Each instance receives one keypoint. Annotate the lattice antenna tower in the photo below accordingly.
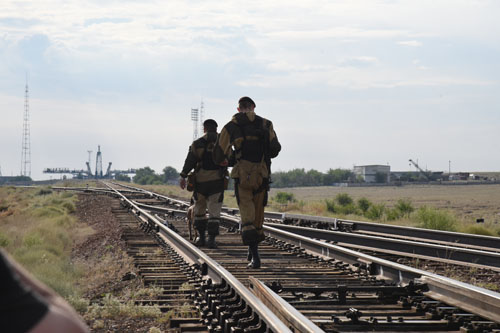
(194, 118)
(26, 144)
(202, 116)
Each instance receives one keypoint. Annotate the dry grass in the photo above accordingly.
(35, 230)
(467, 202)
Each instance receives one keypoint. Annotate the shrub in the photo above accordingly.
(284, 197)
(69, 206)
(48, 211)
(375, 212)
(343, 199)
(32, 240)
(123, 177)
(4, 240)
(78, 303)
(44, 191)
(330, 206)
(348, 209)
(112, 308)
(364, 204)
(431, 218)
(405, 207)
(393, 214)
(478, 230)
(67, 195)
(3, 206)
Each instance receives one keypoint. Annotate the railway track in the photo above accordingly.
(450, 249)
(308, 285)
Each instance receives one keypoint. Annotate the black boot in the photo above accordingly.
(255, 263)
(200, 240)
(201, 227)
(213, 230)
(211, 242)
(249, 255)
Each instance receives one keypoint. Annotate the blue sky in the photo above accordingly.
(344, 82)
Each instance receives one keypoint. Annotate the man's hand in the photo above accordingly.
(182, 182)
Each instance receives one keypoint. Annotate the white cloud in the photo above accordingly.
(413, 43)
(126, 64)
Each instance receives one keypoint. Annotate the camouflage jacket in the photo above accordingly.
(199, 158)
(253, 139)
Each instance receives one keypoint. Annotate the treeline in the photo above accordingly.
(147, 176)
(300, 177)
(292, 178)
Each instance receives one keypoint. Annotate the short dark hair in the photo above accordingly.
(246, 103)
(210, 125)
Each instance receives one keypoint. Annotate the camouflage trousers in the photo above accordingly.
(214, 204)
(251, 207)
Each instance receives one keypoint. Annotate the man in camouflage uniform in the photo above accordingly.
(255, 143)
(209, 184)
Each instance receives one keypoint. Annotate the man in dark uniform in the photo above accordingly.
(255, 143)
(208, 186)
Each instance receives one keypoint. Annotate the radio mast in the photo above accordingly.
(26, 144)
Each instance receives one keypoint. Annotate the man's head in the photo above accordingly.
(209, 125)
(246, 104)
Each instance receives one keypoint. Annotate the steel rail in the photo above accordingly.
(213, 269)
(405, 246)
(408, 232)
(156, 195)
(448, 253)
(477, 300)
(474, 299)
(287, 313)
(437, 235)
(89, 189)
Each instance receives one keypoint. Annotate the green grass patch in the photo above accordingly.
(432, 218)
(478, 230)
(4, 240)
(38, 235)
(344, 199)
(284, 197)
(375, 212)
(364, 204)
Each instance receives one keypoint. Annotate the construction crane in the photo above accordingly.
(425, 173)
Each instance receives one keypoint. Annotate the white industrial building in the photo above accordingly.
(369, 172)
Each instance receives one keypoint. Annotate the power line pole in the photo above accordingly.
(202, 117)
(26, 144)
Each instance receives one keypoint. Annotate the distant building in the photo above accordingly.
(373, 173)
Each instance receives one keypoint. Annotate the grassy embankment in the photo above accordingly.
(34, 229)
(38, 228)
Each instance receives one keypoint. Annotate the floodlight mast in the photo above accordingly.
(194, 118)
